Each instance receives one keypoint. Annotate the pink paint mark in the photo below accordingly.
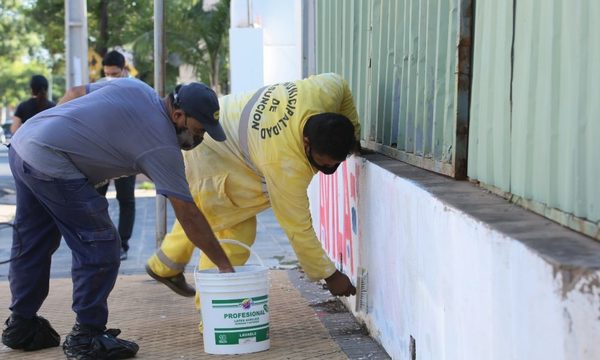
(335, 209)
(347, 230)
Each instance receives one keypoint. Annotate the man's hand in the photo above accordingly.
(198, 230)
(339, 285)
(73, 93)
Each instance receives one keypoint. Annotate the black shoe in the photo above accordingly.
(86, 343)
(29, 334)
(176, 283)
(123, 254)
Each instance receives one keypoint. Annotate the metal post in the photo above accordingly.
(159, 86)
(76, 36)
(308, 38)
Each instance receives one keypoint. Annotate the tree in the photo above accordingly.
(14, 80)
(210, 29)
(46, 18)
(193, 36)
(118, 23)
(17, 39)
(21, 53)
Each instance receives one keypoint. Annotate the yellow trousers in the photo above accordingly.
(176, 250)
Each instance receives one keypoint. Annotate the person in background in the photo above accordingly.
(57, 158)
(278, 138)
(113, 65)
(37, 103)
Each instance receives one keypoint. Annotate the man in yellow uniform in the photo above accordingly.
(278, 138)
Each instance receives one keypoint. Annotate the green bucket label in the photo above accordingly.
(235, 336)
(246, 320)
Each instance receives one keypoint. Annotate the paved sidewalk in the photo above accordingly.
(165, 325)
(305, 324)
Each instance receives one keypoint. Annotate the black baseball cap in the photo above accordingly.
(200, 102)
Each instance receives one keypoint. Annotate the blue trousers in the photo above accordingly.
(46, 209)
(125, 187)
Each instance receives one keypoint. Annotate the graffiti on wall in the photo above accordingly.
(338, 223)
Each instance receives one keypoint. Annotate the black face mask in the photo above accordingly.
(327, 170)
(185, 138)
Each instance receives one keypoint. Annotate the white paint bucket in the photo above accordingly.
(235, 308)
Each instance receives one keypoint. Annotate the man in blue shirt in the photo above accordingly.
(58, 158)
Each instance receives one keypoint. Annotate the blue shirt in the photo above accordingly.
(119, 128)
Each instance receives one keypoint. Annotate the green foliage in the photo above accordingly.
(146, 185)
(17, 39)
(209, 32)
(195, 37)
(47, 20)
(32, 40)
(192, 36)
(14, 80)
(21, 53)
(124, 22)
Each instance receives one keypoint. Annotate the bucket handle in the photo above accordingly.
(239, 243)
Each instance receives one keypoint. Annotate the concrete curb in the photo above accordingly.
(352, 337)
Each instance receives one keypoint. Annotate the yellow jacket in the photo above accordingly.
(230, 189)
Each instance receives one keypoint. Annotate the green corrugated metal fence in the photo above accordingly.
(535, 120)
(408, 63)
(534, 101)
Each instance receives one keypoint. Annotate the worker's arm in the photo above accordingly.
(73, 93)
(198, 230)
(287, 191)
(16, 124)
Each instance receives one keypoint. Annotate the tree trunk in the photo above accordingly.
(102, 45)
(214, 73)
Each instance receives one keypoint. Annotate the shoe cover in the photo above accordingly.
(88, 344)
(29, 334)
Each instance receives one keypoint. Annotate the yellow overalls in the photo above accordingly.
(232, 181)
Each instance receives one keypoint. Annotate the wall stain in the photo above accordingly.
(568, 319)
(571, 276)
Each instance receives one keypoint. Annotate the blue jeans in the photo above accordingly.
(46, 209)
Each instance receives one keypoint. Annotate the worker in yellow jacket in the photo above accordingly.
(278, 138)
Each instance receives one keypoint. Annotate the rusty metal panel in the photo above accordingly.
(535, 120)
(408, 63)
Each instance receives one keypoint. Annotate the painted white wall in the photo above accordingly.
(461, 289)
(279, 55)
